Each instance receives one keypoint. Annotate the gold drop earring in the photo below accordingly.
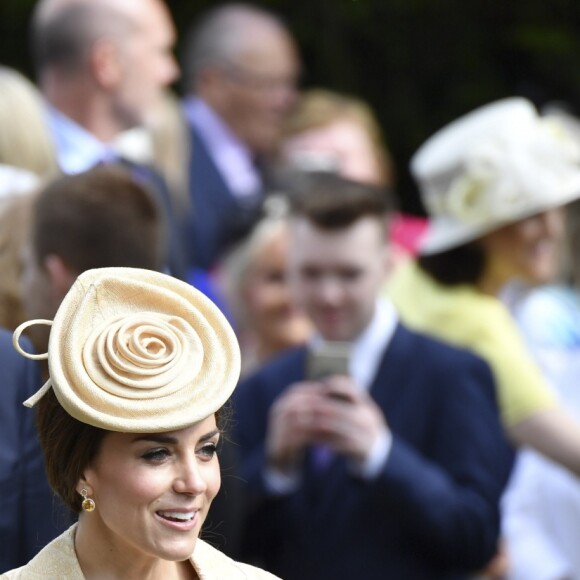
(88, 504)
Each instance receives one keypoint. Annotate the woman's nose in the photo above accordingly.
(551, 222)
(190, 478)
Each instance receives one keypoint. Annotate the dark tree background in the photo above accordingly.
(419, 63)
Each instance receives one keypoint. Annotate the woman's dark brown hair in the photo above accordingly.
(68, 445)
(462, 265)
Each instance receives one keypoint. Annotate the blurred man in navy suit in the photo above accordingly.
(241, 69)
(387, 465)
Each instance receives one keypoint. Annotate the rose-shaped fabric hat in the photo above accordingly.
(500, 163)
(138, 351)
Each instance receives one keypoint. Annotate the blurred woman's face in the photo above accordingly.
(152, 492)
(528, 250)
(271, 311)
(342, 146)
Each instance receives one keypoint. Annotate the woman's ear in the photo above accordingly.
(82, 484)
(85, 481)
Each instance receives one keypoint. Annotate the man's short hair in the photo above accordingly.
(333, 202)
(62, 38)
(98, 218)
(215, 37)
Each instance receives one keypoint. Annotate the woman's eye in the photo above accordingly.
(208, 451)
(156, 455)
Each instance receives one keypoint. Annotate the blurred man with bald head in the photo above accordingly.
(241, 70)
(103, 66)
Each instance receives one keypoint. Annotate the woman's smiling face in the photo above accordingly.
(153, 491)
(528, 250)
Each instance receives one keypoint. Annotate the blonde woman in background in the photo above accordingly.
(255, 283)
(15, 221)
(330, 131)
(25, 140)
(27, 157)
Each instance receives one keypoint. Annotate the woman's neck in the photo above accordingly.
(489, 287)
(491, 282)
(99, 558)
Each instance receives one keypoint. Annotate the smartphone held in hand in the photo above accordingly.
(327, 359)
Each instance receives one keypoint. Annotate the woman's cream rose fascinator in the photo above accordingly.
(138, 351)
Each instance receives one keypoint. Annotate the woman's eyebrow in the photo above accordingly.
(210, 435)
(168, 439)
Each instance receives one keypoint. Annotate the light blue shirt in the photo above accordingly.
(541, 507)
(77, 150)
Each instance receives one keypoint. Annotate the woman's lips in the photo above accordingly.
(183, 520)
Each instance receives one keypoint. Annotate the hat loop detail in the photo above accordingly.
(18, 333)
(31, 401)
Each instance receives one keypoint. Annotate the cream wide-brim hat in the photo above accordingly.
(138, 351)
(496, 165)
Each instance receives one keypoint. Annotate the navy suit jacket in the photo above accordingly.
(433, 510)
(175, 229)
(30, 516)
(219, 218)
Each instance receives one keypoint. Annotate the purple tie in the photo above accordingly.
(322, 456)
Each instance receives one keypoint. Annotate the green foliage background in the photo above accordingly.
(420, 63)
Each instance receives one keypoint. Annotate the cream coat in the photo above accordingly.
(58, 560)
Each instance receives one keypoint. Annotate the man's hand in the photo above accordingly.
(334, 412)
(291, 425)
(346, 418)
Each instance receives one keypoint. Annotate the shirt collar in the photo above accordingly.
(77, 149)
(369, 347)
(231, 156)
